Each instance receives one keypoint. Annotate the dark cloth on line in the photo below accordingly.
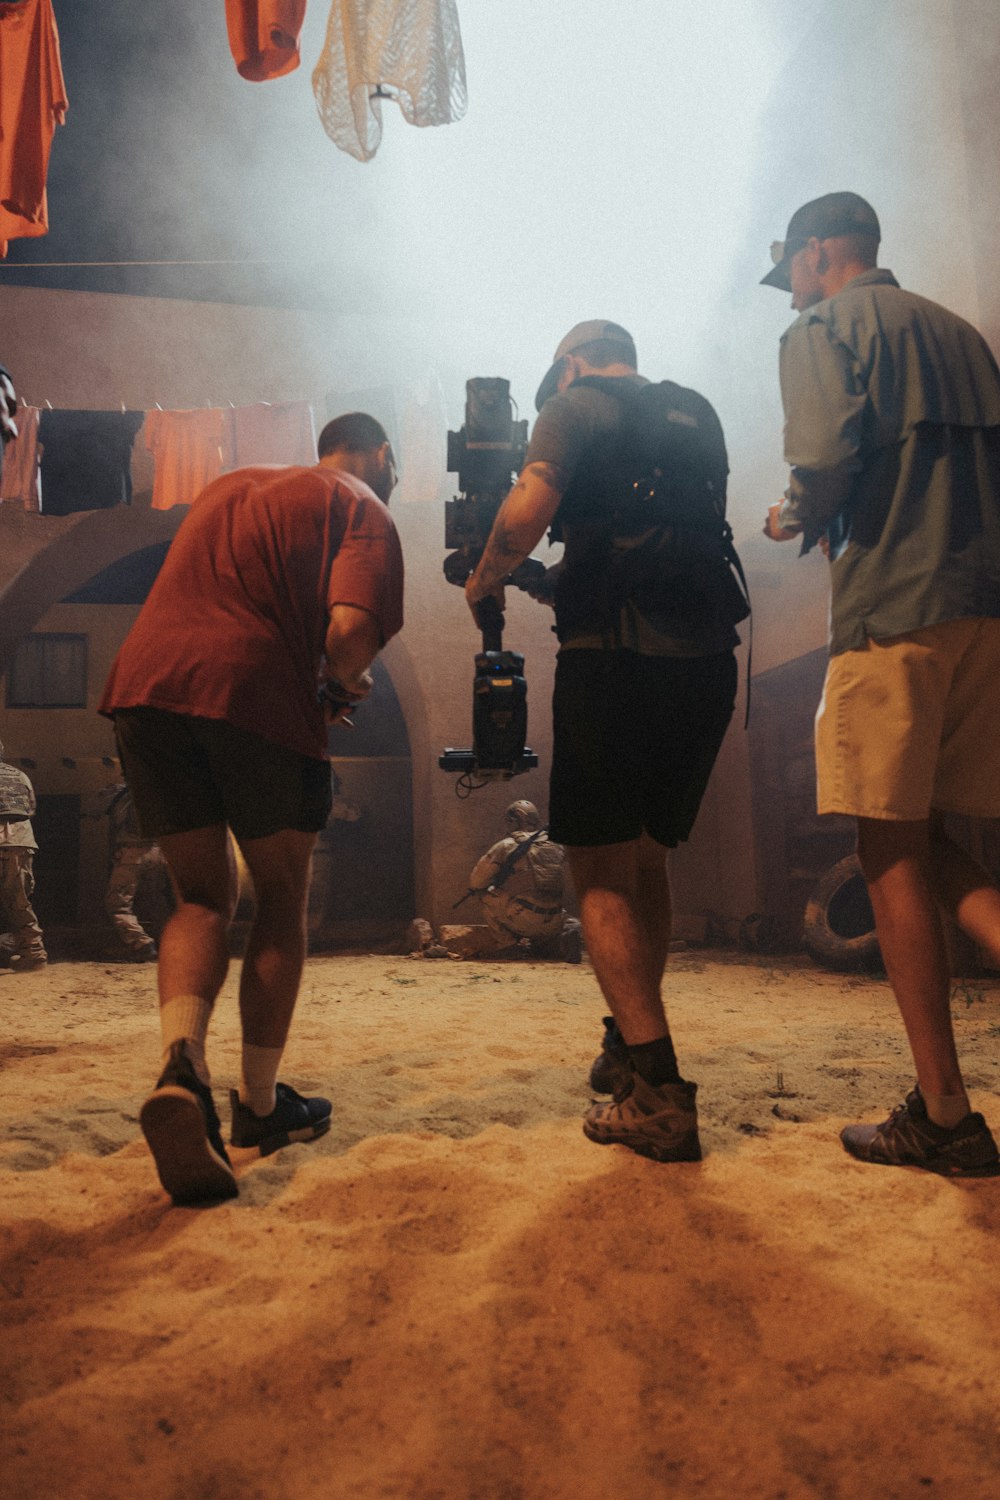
(86, 459)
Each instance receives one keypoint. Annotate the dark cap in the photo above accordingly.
(597, 330)
(823, 219)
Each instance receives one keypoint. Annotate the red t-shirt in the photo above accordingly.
(235, 625)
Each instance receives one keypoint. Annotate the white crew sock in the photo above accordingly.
(185, 1018)
(257, 1078)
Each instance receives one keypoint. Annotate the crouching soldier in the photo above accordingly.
(519, 882)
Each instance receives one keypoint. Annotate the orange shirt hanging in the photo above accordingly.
(190, 449)
(264, 36)
(32, 103)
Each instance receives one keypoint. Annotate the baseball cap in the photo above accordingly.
(585, 333)
(824, 218)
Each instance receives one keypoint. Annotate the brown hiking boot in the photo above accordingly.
(910, 1138)
(661, 1123)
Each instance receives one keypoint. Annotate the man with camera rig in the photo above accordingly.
(631, 478)
(275, 575)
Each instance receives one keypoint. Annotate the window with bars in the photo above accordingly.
(48, 671)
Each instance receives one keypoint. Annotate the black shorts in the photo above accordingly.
(186, 773)
(634, 742)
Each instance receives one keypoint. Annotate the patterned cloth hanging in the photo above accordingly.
(406, 50)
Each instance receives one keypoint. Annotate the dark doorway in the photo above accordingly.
(57, 863)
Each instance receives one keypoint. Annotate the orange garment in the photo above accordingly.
(282, 432)
(264, 36)
(32, 103)
(19, 484)
(190, 449)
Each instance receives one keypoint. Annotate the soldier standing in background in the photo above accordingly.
(132, 857)
(17, 879)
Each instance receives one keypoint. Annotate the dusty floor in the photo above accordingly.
(454, 1296)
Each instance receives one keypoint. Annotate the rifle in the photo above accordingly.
(504, 869)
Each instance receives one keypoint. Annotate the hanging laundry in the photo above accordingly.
(32, 103)
(190, 449)
(264, 36)
(19, 482)
(282, 433)
(86, 459)
(407, 50)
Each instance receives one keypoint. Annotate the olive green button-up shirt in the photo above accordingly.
(892, 433)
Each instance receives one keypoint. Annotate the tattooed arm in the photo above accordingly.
(522, 521)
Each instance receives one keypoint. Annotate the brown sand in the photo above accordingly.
(454, 1296)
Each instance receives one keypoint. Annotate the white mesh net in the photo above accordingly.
(406, 50)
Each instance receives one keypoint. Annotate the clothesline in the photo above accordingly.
(66, 265)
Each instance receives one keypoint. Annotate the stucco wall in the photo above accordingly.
(894, 101)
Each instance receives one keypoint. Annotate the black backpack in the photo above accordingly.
(648, 517)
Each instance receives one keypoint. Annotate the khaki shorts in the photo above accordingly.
(911, 723)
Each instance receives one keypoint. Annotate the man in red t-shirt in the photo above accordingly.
(277, 578)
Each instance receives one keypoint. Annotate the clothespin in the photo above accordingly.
(48, 403)
(158, 406)
(123, 406)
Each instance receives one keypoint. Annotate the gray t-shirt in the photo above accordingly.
(570, 428)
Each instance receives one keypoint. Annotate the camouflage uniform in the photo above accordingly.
(132, 857)
(528, 901)
(17, 853)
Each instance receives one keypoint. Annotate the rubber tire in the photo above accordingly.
(838, 929)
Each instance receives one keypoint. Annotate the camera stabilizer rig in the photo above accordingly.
(487, 454)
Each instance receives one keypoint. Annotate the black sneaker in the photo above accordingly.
(183, 1132)
(613, 1066)
(910, 1138)
(293, 1118)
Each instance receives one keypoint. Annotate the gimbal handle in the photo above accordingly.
(490, 619)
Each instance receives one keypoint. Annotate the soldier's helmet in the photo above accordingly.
(522, 815)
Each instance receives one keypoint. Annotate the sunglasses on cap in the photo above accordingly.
(782, 250)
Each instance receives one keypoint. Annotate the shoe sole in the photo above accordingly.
(684, 1151)
(940, 1169)
(274, 1143)
(189, 1167)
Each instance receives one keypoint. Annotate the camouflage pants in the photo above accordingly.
(119, 899)
(17, 886)
(552, 934)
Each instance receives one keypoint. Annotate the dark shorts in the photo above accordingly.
(186, 773)
(634, 742)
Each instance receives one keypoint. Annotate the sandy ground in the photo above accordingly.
(454, 1296)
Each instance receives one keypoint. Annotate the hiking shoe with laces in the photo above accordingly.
(293, 1118)
(910, 1138)
(609, 1071)
(661, 1123)
(183, 1132)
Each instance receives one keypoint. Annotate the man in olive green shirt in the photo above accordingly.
(892, 433)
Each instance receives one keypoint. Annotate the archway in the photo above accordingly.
(112, 557)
